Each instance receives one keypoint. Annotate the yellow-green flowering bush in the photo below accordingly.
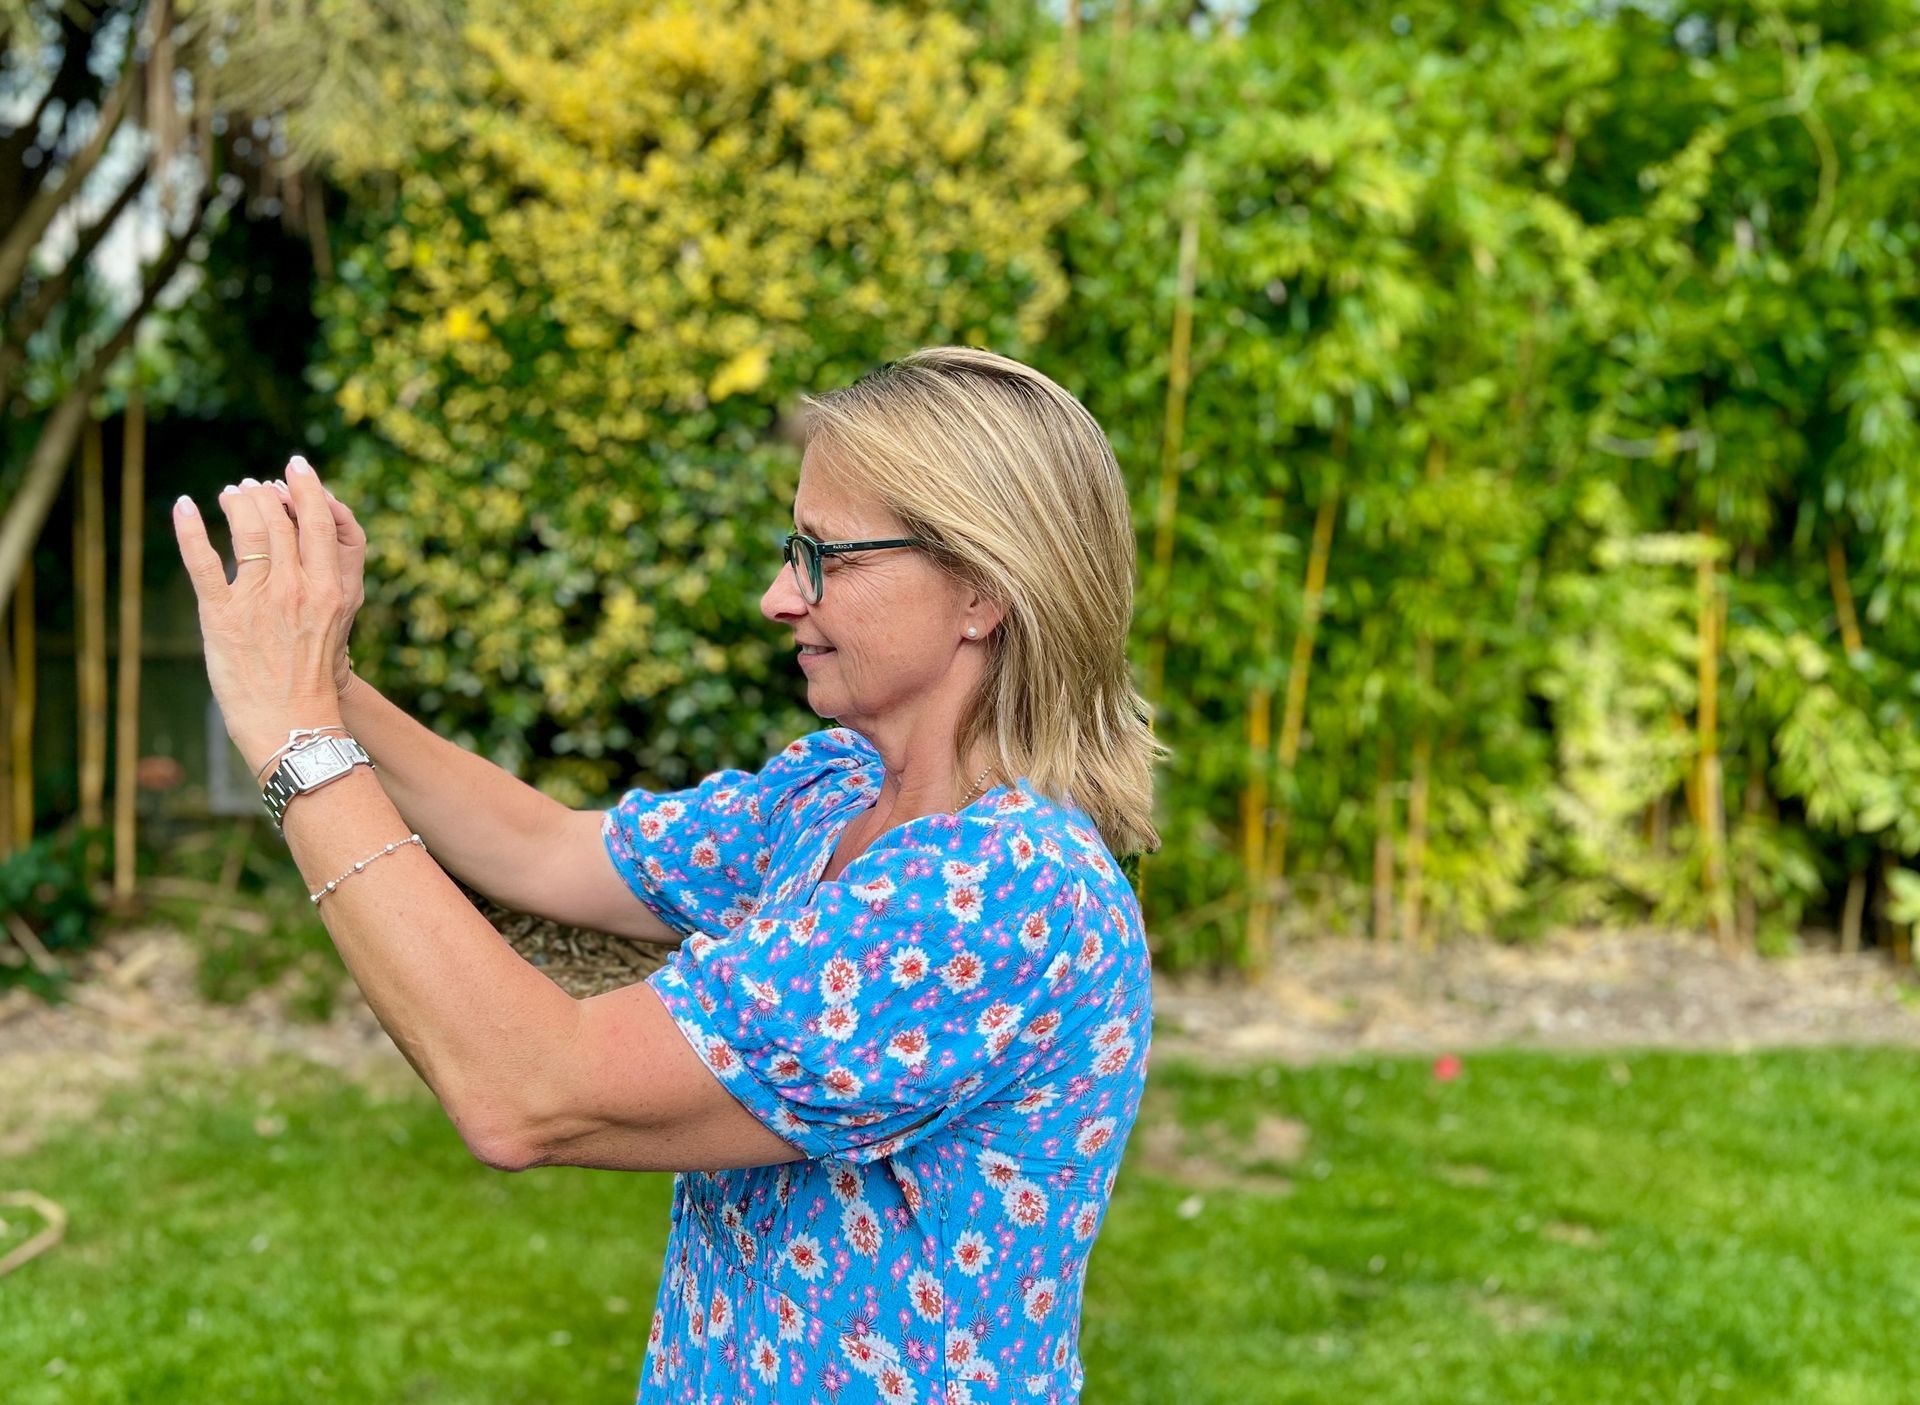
(587, 270)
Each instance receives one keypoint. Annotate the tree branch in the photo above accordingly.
(53, 450)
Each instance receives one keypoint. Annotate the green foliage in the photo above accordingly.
(44, 884)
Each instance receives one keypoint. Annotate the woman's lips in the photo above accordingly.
(807, 658)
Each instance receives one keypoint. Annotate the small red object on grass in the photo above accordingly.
(1446, 1068)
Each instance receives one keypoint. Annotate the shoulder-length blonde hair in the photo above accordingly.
(1018, 488)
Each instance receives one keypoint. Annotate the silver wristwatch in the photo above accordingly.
(309, 766)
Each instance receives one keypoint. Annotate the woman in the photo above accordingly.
(899, 1051)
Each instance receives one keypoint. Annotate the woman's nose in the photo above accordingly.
(782, 599)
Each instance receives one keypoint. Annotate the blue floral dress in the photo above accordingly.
(955, 1032)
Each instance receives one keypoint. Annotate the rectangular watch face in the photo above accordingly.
(311, 765)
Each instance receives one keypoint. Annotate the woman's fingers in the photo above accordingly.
(349, 538)
(249, 528)
(319, 545)
(203, 561)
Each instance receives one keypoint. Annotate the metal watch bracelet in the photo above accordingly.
(309, 766)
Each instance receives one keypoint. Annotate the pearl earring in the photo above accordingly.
(970, 632)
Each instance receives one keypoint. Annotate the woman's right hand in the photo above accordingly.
(353, 560)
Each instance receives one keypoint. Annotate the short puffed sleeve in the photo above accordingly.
(927, 978)
(699, 857)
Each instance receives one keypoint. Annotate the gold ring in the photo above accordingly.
(256, 556)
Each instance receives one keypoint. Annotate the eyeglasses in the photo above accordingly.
(804, 554)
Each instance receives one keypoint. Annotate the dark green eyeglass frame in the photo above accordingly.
(798, 547)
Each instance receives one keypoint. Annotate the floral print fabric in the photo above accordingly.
(955, 1034)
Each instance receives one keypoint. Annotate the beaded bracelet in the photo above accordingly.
(314, 898)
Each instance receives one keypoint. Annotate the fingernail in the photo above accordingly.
(296, 464)
(249, 482)
(184, 506)
(278, 483)
(230, 488)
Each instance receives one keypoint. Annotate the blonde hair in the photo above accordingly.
(1016, 485)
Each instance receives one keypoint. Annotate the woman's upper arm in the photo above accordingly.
(572, 880)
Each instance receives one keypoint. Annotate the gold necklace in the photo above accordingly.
(976, 785)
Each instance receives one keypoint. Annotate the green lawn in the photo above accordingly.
(1625, 1228)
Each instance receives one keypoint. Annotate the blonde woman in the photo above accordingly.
(899, 1047)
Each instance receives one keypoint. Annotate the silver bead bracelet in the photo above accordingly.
(397, 844)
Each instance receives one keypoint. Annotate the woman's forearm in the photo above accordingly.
(482, 823)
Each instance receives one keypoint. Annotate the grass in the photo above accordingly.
(1666, 1228)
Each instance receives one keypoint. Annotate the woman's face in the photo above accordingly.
(895, 624)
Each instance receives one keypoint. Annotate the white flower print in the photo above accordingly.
(839, 980)
(1037, 1099)
(1086, 1220)
(1040, 1297)
(1090, 949)
(1025, 1203)
(999, 1169)
(1114, 1059)
(909, 1046)
(896, 1386)
(923, 1291)
(766, 1360)
(719, 1315)
(839, 1021)
(1020, 847)
(1034, 934)
(861, 1228)
(1041, 1027)
(760, 992)
(961, 1346)
(1094, 1136)
(792, 1320)
(909, 964)
(761, 930)
(957, 874)
(971, 1252)
(843, 1083)
(705, 854)
(963, 971)
(847, 1182)
(805, 1258)
(965, 903)
(874, 890)
(1058, 969)
(784, 1068)
(868, 1352)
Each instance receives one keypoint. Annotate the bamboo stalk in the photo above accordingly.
(24, 690)
(6, 734)
(90, 624)
(1856, 906)
(1843, 596)
(1383, 862)
(1070, 38)
(1254, 795)
(1294, 719)
(1707, 725)
(126, 763)
(1420, 774)
(1167, 501)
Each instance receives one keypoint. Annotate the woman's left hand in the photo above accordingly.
(272, 633)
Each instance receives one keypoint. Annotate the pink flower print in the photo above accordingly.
(1040, 1298)
(1025, 1203)
(843, 1083)
(963, 971)
(1094, 1136)
(861, 1228)
(705, 854)
(923, 1291)
(1086, 1220)
(971, 1252)
(806, 1260)
(909, 964)
(846, 1183)
(916, 867)
(839, 980)
(909, 1046)
(766, 1360)
(839, 1021)
(959, 874)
